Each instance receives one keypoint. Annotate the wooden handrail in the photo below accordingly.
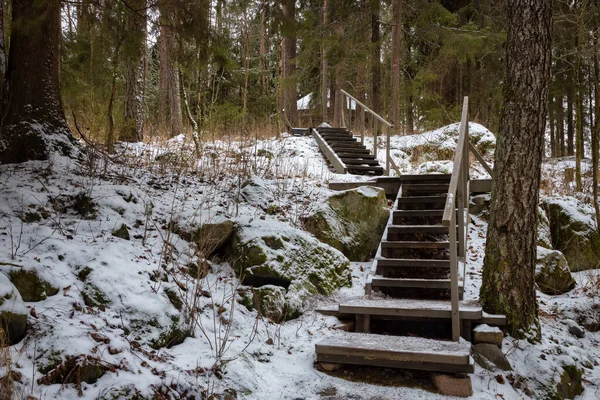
(367, 109)
(377, 118)
(456, 213)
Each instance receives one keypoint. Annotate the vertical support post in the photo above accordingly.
(375, 137)
(454, 279)
(362, 126)
(343, 109)
(387, 151)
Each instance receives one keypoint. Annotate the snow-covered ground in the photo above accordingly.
(232, 352)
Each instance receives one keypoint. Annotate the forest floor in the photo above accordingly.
(58, 218)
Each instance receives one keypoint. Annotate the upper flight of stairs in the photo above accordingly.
(405, 321)
(345, 153)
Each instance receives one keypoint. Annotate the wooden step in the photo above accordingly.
(396, 352)
(355, 153)
(385, 244)
(425, 229)
(380, 281)
(412, 189)
(324, 129)
(364, 168)
(408, 262)
(421, 202)
(359, 161)
(348, 145)
(340, 139)
(410, 308)
(419, 213)
(429, 178)
(413, 268)
(335, 135)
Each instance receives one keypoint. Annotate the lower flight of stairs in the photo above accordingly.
(405, 321)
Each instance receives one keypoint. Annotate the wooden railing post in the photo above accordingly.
(375, 137)
(362, 126)
(387, 151)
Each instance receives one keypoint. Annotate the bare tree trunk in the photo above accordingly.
(394, 110)
(570, 101)
(596, 132)
(560, 126)
(340, 78)
(134, 78)
(262, 47)
(34, 123)
(578, 123)
(324, 69)
(508, 285)
(169, 86)
(289, 61)
(552, 127)
(375, 58)
(2, 51)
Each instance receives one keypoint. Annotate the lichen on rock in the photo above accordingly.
(272, 253)
(573, 231)
(351, 221)
(552, 273)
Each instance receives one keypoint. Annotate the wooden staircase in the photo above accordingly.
(413, 316)
(345, 153)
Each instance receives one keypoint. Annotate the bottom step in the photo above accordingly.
(396, 352)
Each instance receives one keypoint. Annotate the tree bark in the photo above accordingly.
(508, 285)
(596, 132)
(289, 61)
(552, 127)
(34, 125)
(375, 58)
(135, 59)
(560, 126)
(169, 89)
(570, 126)
(324, 68)
(394, 113)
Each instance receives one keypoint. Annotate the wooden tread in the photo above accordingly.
(427, 229)
(396, 352)
(380, 281)
(410, 308)
(385, 244)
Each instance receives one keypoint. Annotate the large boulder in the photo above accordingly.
(13, 314)
(552, 273)
(544, 238)
(573, 231)
(273, 253)
(351, 221)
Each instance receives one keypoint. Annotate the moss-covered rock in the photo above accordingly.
(122, 232)
(174, 335)
(94, 297)
(569, 384)
(13, 314)
(30, 285)
(268, 300)
(273, 253)
(543, 230)
(210, 238)
(573, 231)
(351, 221)
(552, 273)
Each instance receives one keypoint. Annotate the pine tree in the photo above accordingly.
(508, 285)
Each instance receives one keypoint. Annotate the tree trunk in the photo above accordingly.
(340, 78)
(394, 110)
(508, 285)
(262, 47)
(289, 61)
(570, 127)
(596, 131)
(552, 127)
(560, 126)
(34, 123)
(134, 78)
(169, 89)
(324, 69)
(375, 58)
(2, 56)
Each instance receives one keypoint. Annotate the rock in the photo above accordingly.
(479, 203)
(257, 192)
(572, 227)
(122, 232)
(487, 334)
(552, 273)
(489, 356)
(452, 386)
(268, 300)
(13, 314)
(574, 328)
(30, 285)
(543, 230)
(351, 221)
(211, 238)
(272, 253)
(570, 384)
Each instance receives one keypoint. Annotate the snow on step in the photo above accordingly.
(396, 351)
(410, 308)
